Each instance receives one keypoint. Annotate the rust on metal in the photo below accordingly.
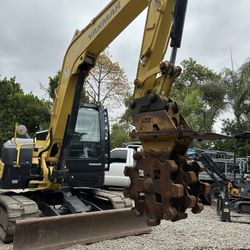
(163, 183)
(180, 132)
(162, 189)
(152, 187)
(63, 231)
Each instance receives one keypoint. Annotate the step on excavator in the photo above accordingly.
(50, 196)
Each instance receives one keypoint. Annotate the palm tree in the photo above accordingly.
(238, 90)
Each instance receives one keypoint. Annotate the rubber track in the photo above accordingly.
(14, 207)
(243, 207)
(117, 200)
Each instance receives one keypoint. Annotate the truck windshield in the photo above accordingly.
(86, 138)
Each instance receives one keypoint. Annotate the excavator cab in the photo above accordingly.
(88, 154)
(89, 147)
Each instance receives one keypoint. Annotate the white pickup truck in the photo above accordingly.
(119, 159)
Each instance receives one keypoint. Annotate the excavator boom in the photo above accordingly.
(163, 184)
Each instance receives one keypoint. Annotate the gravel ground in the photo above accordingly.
(202, 231)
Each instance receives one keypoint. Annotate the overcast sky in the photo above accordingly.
(35, 35)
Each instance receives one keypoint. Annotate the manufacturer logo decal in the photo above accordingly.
(104, 21)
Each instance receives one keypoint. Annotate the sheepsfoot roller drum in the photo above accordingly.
(163, 184)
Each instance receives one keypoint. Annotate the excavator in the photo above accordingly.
(49, 185)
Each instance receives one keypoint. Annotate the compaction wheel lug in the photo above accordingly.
(180, 216)
(177, 191)
(138, 155)
(148, 186)
(197, 166)
(126, 171)
(164, 156)
(205, 188)
(190, 201)
(164, 188)
(190, 177)
(197, 208)
(170, 214)
(200, 166)
(179, 159)
(153, 222)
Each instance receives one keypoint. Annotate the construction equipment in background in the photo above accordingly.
(233, 194)
(244, 166)
(163, 184)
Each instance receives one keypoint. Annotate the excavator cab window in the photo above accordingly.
(86, 138)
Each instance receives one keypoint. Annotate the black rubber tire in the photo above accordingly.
(215, 191)
(213, 195)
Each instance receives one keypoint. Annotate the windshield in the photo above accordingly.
(86, 138)
(87, 125)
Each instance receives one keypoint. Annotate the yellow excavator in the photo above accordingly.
(49, 185)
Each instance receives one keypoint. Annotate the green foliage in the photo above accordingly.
(231, 128)
(10, 90)
(126, 118)
(194, 74)
(53, 82)
(32, 112)
(121, 130)
(200, 94)
(118, 136)
(17, 107)
(238, 98)
(238, 90)
(52, 85)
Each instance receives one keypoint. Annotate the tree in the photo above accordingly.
(11, 89)
(17, 107)
(32, 112)
(231, 128)
(107, 83)
(237, 83)
(200, 94)
(234, 127)
(53, 82)
(238, 90)
(118, 136)
(126, 118)
(238, 98)
(52, 85)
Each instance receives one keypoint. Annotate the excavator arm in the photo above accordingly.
(168, 185)
(163, 183)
